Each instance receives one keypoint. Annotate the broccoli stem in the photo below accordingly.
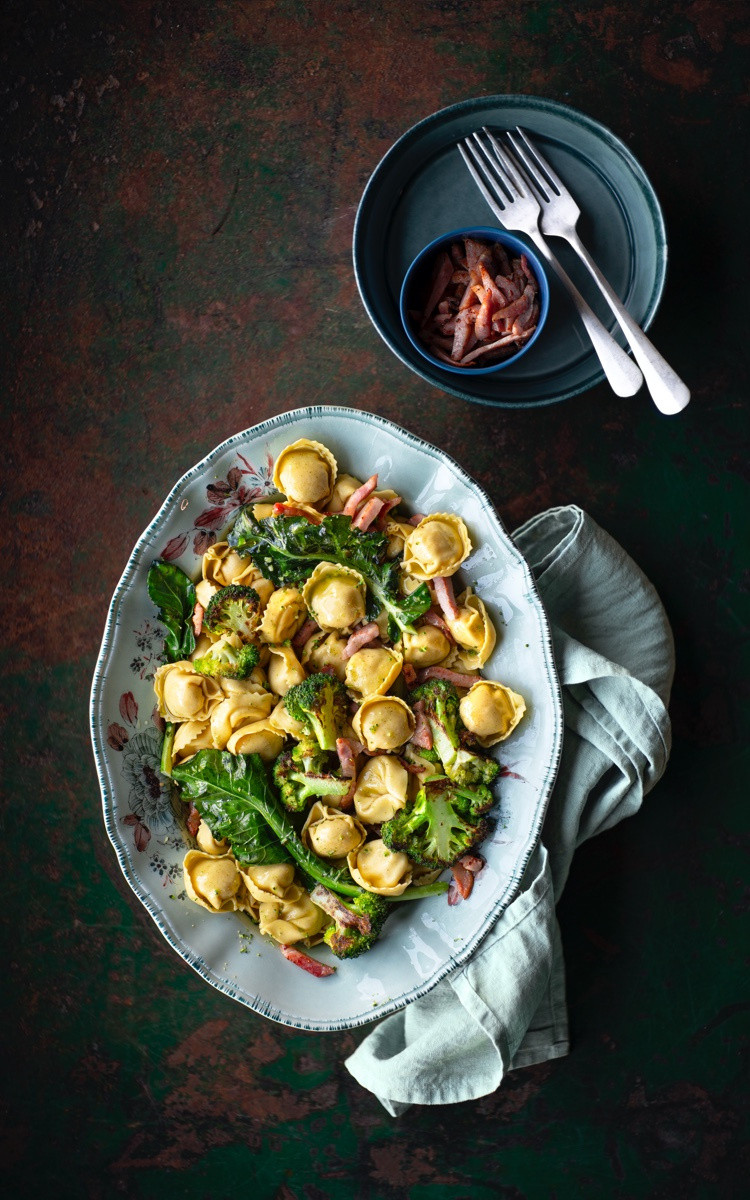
(419, 893)
(165, 766)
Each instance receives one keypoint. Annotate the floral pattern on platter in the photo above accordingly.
(243, 484)
(149, 794)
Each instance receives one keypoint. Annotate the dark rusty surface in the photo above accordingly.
(181, 182)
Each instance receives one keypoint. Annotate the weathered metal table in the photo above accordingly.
(181, 184)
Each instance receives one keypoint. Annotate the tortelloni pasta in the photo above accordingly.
(325, 650)
(284, 669)
(382, 789)
(285, 612)
(361, 744)
(211, 880)
(436, 546)
(383, 722)
(259, 737)
(491, 711)
(184, 695)
(305, 472)
(331, 833)
(335, 596)
(426, 647)
(473, 631)
(372, 672)
(377, 869)
(292, 918)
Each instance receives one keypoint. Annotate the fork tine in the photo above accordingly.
(517, 181)
(479, 173)
(534, 162)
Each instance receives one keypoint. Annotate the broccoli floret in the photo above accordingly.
(437, 828)
(233, 609)
(298, 784)
(356, 924)
(320, 704)
(441, 703)
(228, 658)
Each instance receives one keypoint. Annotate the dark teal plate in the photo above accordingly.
(421, 189)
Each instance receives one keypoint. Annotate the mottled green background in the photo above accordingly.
(180, 185)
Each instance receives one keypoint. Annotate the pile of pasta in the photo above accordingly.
(322, 626)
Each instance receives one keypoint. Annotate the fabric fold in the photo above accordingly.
(615, 656)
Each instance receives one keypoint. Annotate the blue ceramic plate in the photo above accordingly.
(421, 941)
(422, 189)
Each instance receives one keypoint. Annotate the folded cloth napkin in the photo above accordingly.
(615, 657)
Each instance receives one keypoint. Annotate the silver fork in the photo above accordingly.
(511, 200)
(560, 215)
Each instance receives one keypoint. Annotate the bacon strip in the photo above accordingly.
(193, 820)
(464, 880)
(360, 638)
(416, 519)
(411, 767)
(367, 513)
(445, 597)
(441, 278)
(454, 677)
(311, 965)
(347, 753)
(304, 633)
(198, 614)
(472, 862)
(409, 673)
(431, 617)
(381, 520)
(422, 735)
(454, 895)
(360, 496)
(335, 908)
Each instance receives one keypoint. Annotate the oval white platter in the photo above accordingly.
(421, 942)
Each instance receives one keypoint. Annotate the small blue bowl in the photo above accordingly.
(416, 282)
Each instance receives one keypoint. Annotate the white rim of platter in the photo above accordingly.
(422, 942)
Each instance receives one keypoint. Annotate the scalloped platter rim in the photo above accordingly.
(422, 942)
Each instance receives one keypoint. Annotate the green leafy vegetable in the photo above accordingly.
(287, 550)
(234, 797)
(173, 593)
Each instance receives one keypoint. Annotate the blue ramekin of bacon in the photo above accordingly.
(474, 300)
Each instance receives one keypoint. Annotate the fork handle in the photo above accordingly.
(669, 393)
(622, 373)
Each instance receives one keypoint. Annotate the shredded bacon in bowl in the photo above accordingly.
(479, 305)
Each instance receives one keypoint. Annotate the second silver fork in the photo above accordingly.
(511, 200)
(560, 215)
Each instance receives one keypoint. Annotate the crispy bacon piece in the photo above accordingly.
(360, 496)
(311, 965)
(411, 767)
(382, 518)
(444, 595)
(454, 677)
(345, 748)
(415, 519)
(193, 820)
(291, 510)
(441, 278)
(472, 862)
(304, 633)
(463, 878)
(422, 735)
(432, 617)
(454, 896)
(409, 673)
(367, 513)
(198, 614)
(508, 339)
(360, 638)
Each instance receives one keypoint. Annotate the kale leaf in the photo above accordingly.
(233, 796)
(286, 550)
(173, 593)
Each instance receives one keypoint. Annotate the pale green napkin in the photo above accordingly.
(615, 657)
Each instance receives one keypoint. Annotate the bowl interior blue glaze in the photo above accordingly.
(418, 273)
